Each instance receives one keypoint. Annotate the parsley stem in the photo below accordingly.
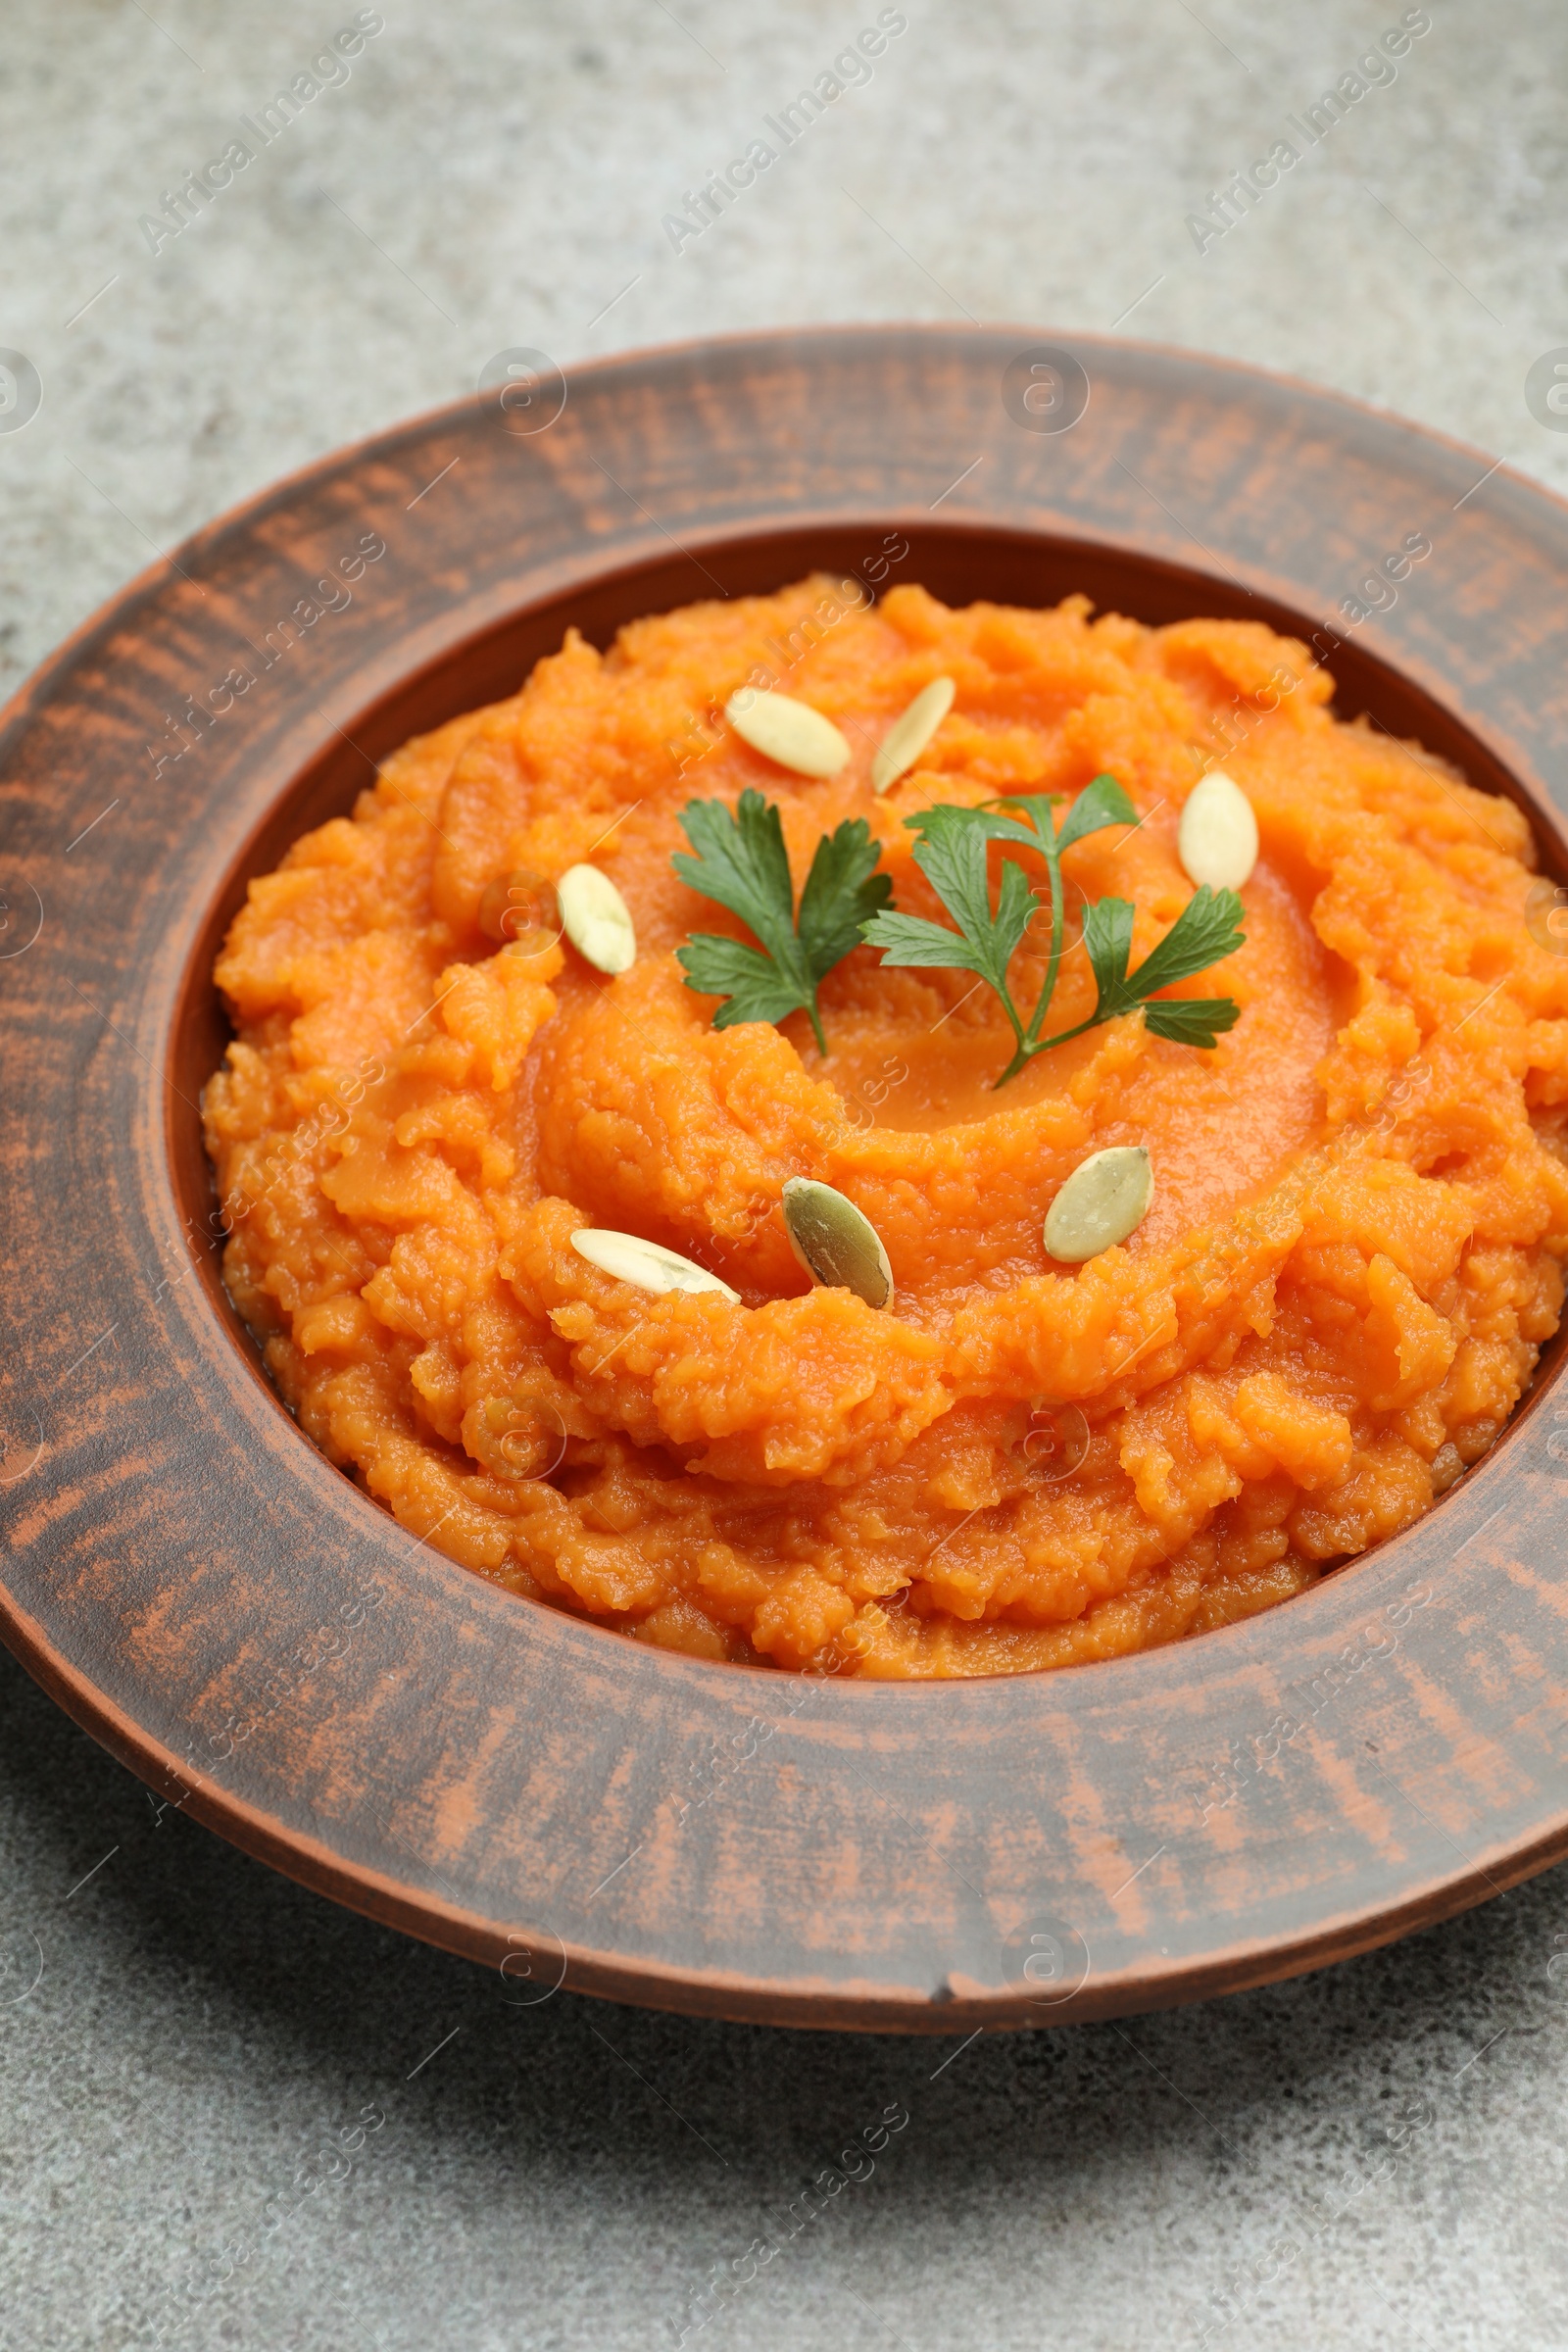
(1005, 993)
(1062, 1034)
(1028, 1048)
(1052, 860)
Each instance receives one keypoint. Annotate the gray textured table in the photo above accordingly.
(1370, 2158)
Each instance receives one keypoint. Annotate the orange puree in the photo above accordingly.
(1351, 1260)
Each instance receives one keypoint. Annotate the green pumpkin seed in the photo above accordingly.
(1217, 838)
(788, 732)
(629, 1259)
(900, 746)
(838, 1247)
(597, 919)
(1105, 1200)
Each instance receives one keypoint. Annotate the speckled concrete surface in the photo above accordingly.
(1370, 2158)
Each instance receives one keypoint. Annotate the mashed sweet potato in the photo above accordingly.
(1339, 1294)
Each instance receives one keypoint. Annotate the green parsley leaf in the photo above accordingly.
(1203, 933)
(1191, 1020)
(755, 987)
(953, 851)
(842, 891)
(741, 862)
(1107, 943)
(1101, 803)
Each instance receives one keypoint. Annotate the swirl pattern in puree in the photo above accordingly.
(1352, 1261)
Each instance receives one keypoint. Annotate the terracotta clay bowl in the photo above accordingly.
(244, 1628)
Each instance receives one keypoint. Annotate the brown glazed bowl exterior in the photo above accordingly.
(239, 1624)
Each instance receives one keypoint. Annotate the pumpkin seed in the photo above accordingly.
(629, 1259)
(787, 731)
(838, 1247)
(597, 919)
(1217, 839)
(900, 746)
(1105, 1200)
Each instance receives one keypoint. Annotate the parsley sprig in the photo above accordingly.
(952, 854)
(742, 863)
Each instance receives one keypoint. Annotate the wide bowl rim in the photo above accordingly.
(422, 422)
